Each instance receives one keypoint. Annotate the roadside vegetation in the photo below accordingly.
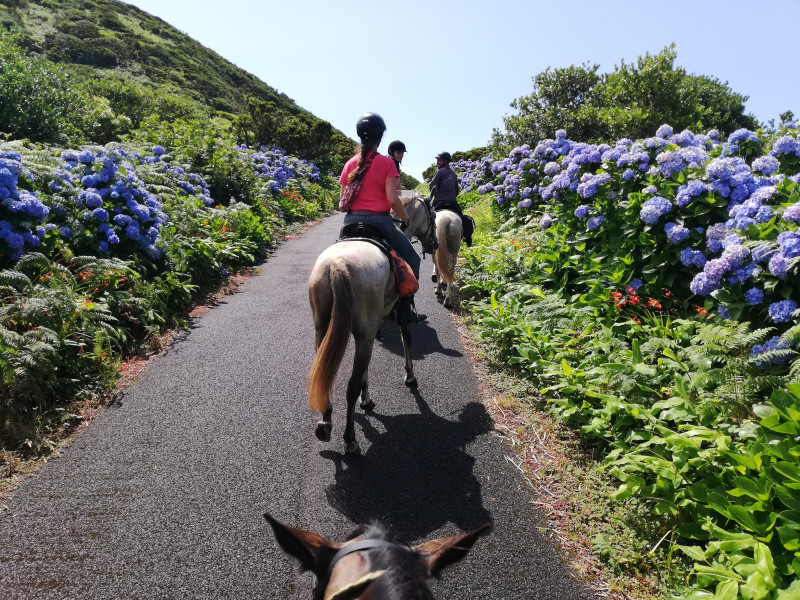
(633, 278)
(647, 293)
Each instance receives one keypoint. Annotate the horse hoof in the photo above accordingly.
(434, 278)
(411, 381)
(352, 448)
(368, 405)
(323, 431)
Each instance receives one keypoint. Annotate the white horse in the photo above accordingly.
(351, 290)
(449, 231)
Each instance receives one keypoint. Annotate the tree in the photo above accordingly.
(633, 102)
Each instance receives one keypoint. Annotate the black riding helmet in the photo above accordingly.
(444, 156)
(370, 127)
(397, 146)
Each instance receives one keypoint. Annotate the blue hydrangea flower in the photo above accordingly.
(723, 312)
(664, 131)
(595, 222)
(582, 211)
(693, 258)
(781, 311)
(546, 221)
(654, 208)
(772, 344)
(754, 296)
(789, 242)
(635, 284)
(741, 135)
(702, 285)
(766, 165)
(676, 233)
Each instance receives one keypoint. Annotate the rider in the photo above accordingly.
(379, 194)
(444, 188)
(396, 151)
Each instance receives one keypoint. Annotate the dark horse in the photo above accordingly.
(351, 289)
(370, 567)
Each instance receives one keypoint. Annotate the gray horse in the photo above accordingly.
(351, 289)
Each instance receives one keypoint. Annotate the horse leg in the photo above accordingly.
(366, 401)
(411, 379)
(323, 430)
(447, 302)
(363, 354)
(434, 275)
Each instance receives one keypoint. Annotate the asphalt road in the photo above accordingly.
(163, 495)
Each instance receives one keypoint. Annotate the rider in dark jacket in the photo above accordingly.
(444, 189)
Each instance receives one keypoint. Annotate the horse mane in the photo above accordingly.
(405, 578)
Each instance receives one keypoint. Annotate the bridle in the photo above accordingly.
(359, 546)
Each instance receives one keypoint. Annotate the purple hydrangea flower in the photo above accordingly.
(792, 213)
(772, 344)
(778, 265)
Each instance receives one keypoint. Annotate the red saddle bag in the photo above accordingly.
(407, 283)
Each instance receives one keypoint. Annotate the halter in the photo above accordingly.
(322, 583)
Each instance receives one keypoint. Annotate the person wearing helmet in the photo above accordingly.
(378, 196)
(445, 189)
(397, 150)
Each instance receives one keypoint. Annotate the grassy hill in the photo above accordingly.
(139, 65)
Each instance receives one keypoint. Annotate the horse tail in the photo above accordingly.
(444, 257)
(332, 347)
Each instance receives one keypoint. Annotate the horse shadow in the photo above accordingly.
(416, 475)
(424, 338)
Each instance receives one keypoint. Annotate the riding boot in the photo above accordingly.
(407, 312)
(468, 226)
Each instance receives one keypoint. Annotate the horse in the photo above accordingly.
(371, 566)
(449, 231)
(351, 289)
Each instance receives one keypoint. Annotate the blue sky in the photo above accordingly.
(443, 74)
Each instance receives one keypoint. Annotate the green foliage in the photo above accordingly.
(630, 102)
(37, 100)
(692, 428)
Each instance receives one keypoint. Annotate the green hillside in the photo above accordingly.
(136, 65)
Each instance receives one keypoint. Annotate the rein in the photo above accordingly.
(322, 583)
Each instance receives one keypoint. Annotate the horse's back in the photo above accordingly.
(368, 272)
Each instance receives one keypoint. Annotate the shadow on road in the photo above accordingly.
(424, 340)
(416, 475)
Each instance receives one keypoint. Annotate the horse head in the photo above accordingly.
(371, 566)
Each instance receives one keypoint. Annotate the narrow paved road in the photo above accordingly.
(163, 495)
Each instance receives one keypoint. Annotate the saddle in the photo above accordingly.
(404, 277)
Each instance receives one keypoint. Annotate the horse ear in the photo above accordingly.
(313, 551)
(444, 552)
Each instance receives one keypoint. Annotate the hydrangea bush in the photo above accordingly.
(714, 220)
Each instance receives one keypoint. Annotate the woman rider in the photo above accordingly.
(377, 196)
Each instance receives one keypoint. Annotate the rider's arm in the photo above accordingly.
(394, 200)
